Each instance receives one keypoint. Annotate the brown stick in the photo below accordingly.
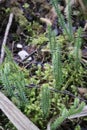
(5, 37)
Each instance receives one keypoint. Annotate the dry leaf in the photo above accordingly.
(82, 91)
(47, 21)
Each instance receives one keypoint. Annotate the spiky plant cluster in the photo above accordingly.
(74, 109)
(67, 28)
(56, 58)
(57, 68)
(77, 51)
(5, 79)
(57, 65)
(13, 79)
(69, 20)
(45, 100)
(19, 85)
(52, 40)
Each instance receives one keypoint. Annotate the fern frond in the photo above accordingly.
(60, 16)
(56, 58)
(57, 123)
(52, 40)
(45, 100)
(57, 67)
(67, 113)
(61, 20)
(9, 56)
(19, 83)
(69, 19)
(76, 108)
(13, 79)
(77, 47)
(5, 79)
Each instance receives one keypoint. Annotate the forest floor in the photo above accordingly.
(27, 40)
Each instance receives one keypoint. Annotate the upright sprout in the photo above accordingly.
(67, 30)
(56, 58)
(77, 48)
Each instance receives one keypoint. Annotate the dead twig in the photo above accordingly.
(5, 37)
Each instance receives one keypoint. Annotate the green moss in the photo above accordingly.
(19, 16)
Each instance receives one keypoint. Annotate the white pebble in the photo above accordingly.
(29, 59)
(19, 46)
(23, 54)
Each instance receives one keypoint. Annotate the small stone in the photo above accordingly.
(29, 59)
(19, 46)
(23, 54)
